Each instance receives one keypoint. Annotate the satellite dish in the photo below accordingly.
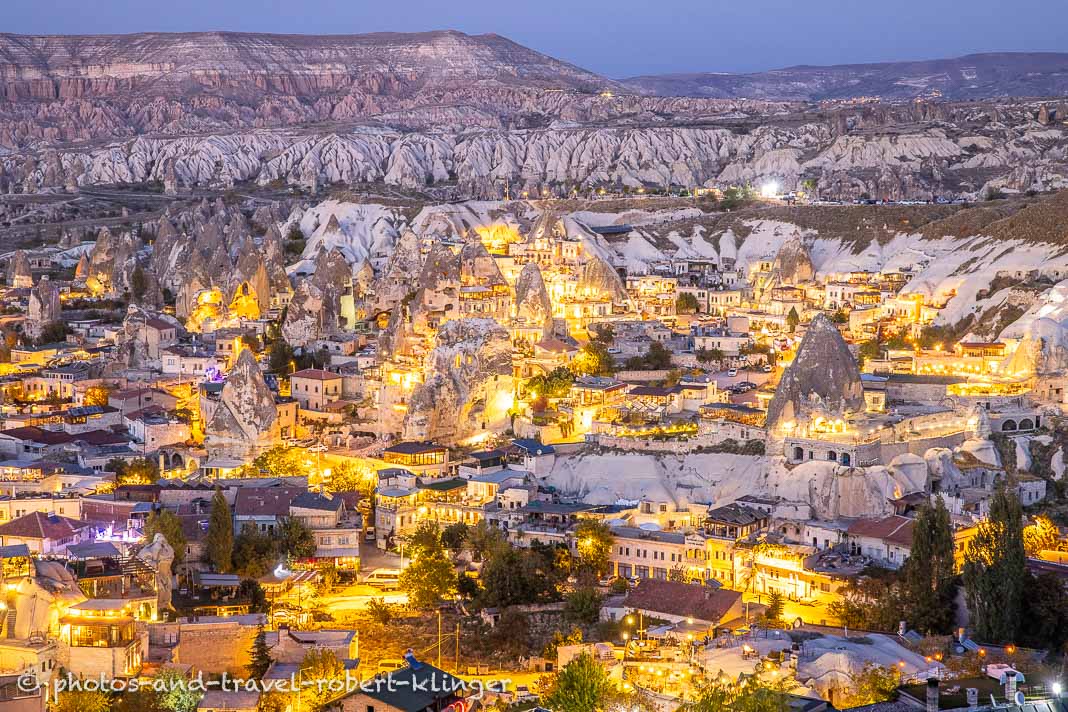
(1019, 698)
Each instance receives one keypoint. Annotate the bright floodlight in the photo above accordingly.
(769, 189)
(1057, 689)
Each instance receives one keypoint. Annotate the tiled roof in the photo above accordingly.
(315, 374)
(264, 501)
(37, 525)
(705, 603)
(895, 528)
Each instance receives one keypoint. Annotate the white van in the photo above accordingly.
(385, 579)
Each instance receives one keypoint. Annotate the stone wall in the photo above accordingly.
(210, 647)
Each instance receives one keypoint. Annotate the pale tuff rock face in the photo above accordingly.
(19, 274)
(468, 386)
(112, 262)
(441, 270)
(532, 302)
(600, 278)
(316, 309)
(396, 281)
(823, 378)
(81, 272)
(477, 266)
(132, 341)
(1042, 351)
(304, 320)
(36, 598)
(244, 420)
(44, 306)
(792, 263)
(917, 165)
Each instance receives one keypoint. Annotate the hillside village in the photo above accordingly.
(645, 433)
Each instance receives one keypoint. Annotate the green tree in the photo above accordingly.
(168, 524)
(138, 284)
(381, 612)
(251, 591)
(709, 356)
(454, 536)
(755, 696)
(583, 605)
(776, 607)
(873, 684)
(554, 384)
(1045, 601)
(582, 686)
(328, 576)
(347, 477)
(174, 692)
(295, 539)
(317, 669)
(927, 575)
(593, 541)
(603, 333)
(259, 656)
(870, 601)
(81, 701)
(255, 553)
(792, 320)
(280, 356)
(430, 576)
(995, 570)
(1041, 535)
(686, 303)
(141, 471)
(514, 577)
(484, 540)
(426, 539)
(594, 360)
(219, 541)
(53, 332)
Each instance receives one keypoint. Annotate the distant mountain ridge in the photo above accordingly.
(971, 77)
(68, 66)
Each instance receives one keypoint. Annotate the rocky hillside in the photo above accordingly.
(968, 152)
(973, 77)
(480, 116)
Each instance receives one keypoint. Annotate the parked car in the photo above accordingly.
(767, 368)
(732, 373)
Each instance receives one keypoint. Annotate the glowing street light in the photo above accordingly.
(769, 189)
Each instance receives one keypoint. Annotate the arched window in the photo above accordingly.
(846, 460)
(832, 456)
(1008, 426)
(1026, 424)
(799, 454)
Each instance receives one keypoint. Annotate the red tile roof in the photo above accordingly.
(32, 433)
(704, 603)
(895, 529)
(37, 525)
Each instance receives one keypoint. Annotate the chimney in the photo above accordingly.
(932, 694)
(1010, 685)
(972, 694)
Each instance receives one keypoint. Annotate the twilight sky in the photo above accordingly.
(618, 38)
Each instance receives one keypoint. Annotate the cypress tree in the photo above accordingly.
(220, 538)
(995, 571)
(927, 575)
(259, 657)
